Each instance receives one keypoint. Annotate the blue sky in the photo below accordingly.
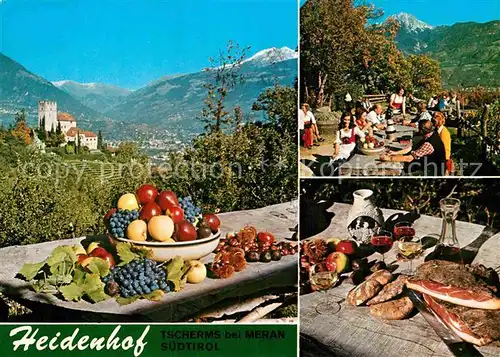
(441, 12)
(132, 42)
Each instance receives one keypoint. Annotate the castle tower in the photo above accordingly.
(47, 110)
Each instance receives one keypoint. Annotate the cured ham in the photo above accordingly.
(455, 323)
(477, 297)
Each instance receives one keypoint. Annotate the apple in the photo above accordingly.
(365, 146)
(161, 228)
(137, 231)
(362, 140)
(213, 221)
(347, 247)
(340, 260)
(197, 272)
(102, 253)
(128, 201)
(108, 215)
(331, 265)
(146, 194)
(371, 145)
(81, 258)
(149, 210)
(92, 246)
(265, 238)
(185, 231)
(167, 200)
(176, 213)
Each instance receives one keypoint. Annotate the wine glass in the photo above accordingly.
(322, 279)
(381, 242)
(403, 230)
(410, 249)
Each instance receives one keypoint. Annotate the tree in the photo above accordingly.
(20, 116)
(58, 130)
(99, 140)
(426, 75)
(280, 106)
(42, 124)
(331, 32)
(225, 71)
(77, 142)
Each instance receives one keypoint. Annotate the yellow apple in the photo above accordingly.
(365, 146)
(362, 140)
(137, 230)
(197, 272)
(161, 228)
(371, 145)
(92, 246)
(128, 201)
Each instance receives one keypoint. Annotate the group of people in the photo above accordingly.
(433, 149)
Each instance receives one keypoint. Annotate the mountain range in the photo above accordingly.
(171, 103)
(469, 53)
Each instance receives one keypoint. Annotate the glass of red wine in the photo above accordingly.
(381, 242)
(403, 231)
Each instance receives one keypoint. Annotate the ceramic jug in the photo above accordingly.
(364, 218)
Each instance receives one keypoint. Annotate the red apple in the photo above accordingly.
(185, 231)
(81, 258)
(167, 200)
(149, 210)
(108, 215)
(146, 194)
(331, 265)
(265, 238)
(176, 213)
(346, 246)
(102, 253)
(212, 220)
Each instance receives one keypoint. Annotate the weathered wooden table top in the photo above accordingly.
(278, 219)
(353, 332)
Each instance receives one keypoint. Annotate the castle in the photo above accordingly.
(49, 118)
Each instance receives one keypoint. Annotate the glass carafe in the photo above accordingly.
(448, 247)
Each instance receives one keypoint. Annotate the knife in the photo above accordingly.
(455, 344)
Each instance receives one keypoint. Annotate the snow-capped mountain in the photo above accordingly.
(98, 96)
(410, 23)
(273, 55)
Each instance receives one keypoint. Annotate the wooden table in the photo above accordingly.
(353, 332)
(371, 165)
(278, 219)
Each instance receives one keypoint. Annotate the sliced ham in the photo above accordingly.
(455, 323)
(478, 297)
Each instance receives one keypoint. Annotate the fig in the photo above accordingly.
(253, 256)
(275, 255)
(204, 232)
(112, 288)
(357, 277)
(265, 257)
(359, 264)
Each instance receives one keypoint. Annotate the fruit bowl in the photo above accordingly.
(374, 151)
(188, 250)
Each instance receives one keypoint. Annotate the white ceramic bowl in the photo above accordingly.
(190, 250)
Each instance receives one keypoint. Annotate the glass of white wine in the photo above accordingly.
(410, 249)
(322, 279)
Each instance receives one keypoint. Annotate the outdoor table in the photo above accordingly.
(353, 332)
(371, 165)
(278, 219)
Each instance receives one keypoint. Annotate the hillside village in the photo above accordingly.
(49, 119)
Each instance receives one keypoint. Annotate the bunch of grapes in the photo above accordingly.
(120, 220)
(191, 211)
(136, 278)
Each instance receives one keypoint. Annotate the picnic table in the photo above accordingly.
(353, 332)
(279, 219)
(371, 165)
